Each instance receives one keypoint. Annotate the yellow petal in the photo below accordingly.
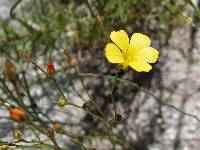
(140, 66)
(139, 41)
(113, 53)
(148, 54)
(120, 38)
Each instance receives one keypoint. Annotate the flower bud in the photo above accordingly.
(75, 141)
(72, 63)
(9, 71)
(50, 69)
(87, 105)
(17, 114)
(57, 126)
(118, 117)
(17, 134)
(50, 133)
(25, 55)
(61, 102)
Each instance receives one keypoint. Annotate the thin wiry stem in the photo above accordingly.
(124, 81)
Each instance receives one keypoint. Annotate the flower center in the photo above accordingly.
(128, 58)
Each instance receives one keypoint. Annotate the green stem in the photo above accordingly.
(124, 81)
(112, 97)
(80, 77)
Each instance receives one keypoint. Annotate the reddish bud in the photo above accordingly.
(50, 69)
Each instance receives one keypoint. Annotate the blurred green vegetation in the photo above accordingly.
(41, 26)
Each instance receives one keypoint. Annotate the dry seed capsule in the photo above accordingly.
(72, 63)
(62, 102)
(17, 134)
(50, 133)
(75, 141)
(9, 71)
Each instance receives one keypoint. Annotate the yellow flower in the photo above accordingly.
(137, 53)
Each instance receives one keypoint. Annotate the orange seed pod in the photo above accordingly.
(17, 114)
(57, 126)
(72, 63)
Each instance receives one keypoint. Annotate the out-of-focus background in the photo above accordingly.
(168, 120)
